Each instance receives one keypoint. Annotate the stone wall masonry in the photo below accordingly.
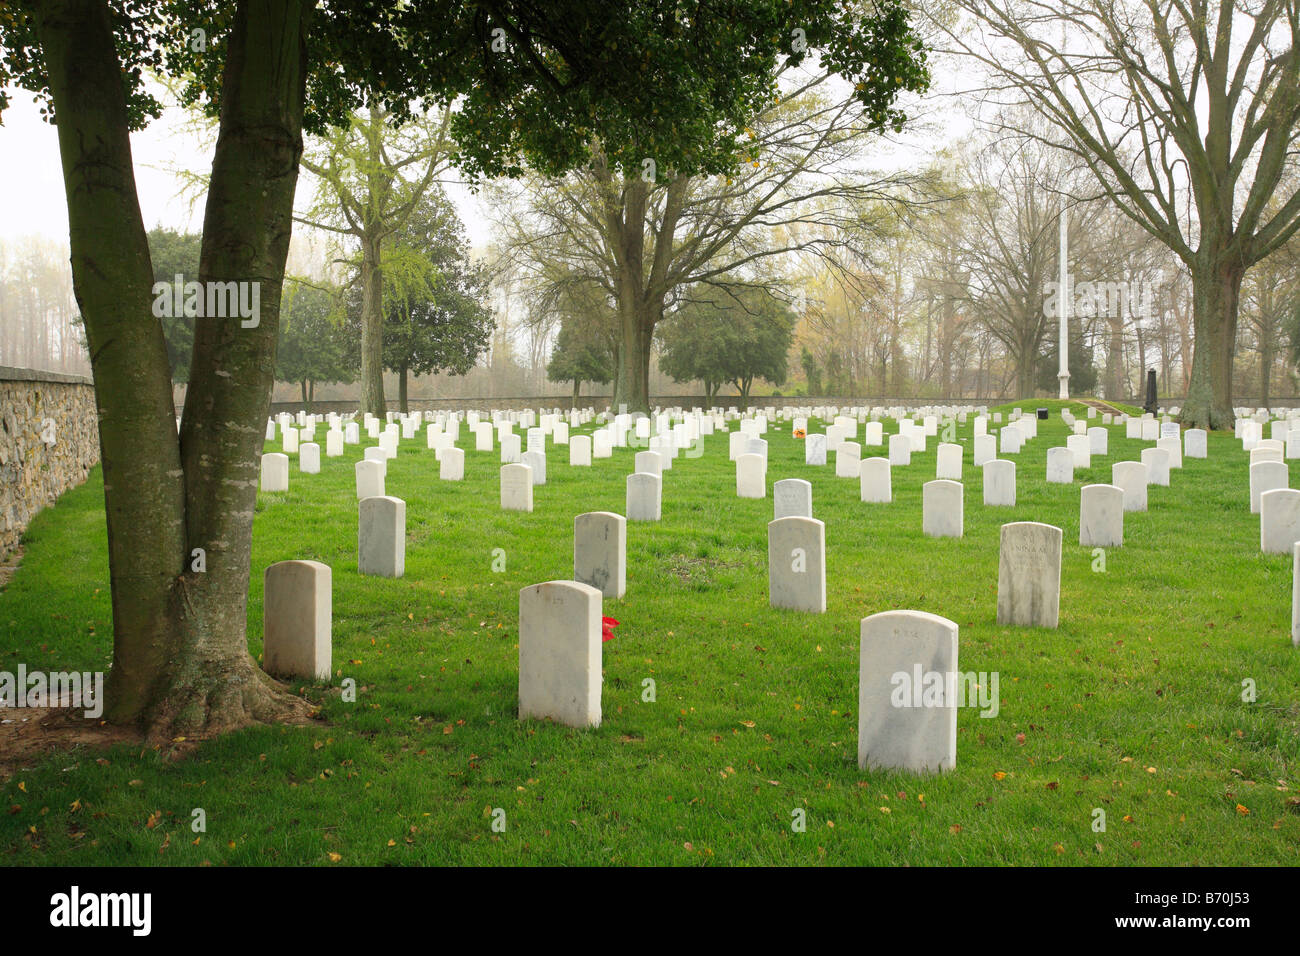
(34, 407)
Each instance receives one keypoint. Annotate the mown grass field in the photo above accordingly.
(1133, 706)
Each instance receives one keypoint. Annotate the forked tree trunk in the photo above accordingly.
(181, 663)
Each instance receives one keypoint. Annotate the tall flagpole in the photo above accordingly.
(1064, 295)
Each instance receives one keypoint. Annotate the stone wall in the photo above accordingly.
(36, 407)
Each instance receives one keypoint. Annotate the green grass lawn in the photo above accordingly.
(1133, 706)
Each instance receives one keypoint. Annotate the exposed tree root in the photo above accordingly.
(214, 699)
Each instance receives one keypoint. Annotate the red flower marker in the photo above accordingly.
(607, 625)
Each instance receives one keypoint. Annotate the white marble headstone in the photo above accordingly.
(1029, 574)
(792, 498)
(907, 707)
(874, 481)
(600, 552)
(796, 560)
(560, 653)
(942, 508)
(296, 619)
(1101, 516)
(1132, 477)
(381, 537)
(1000, 483)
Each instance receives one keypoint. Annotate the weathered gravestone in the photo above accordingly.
(1266, 476)
(275, 472)
(600, 552)
(792, 498)
(900, 450)
(751, 476)
(1131, 476)
(874, 483)
(644, 497)
(1174, 448)
(1000, 483)
(1060, 466)
(580, 451)
(296, 619)
(848, 456)
(1295, 596)
(1081, 448)
(948, 461)
(309, 458)
(814, 450)
(942, 508)
(381, 537)
(370, 478)
(1101, 516)
(796, 563)
(536, 460)
(1029, 574)
(452, 465)
(560, 653)
(907, 707)
(1157, 462)
(1279, 520)
(649, 462)
(516, 487)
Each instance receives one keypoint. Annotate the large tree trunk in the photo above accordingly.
(213, 682)
(618, 371)
(144, 495)
(1216, 289)
(401, 390)
(181, 661)
(1026, 373)
(372, 330)
(638, 324)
